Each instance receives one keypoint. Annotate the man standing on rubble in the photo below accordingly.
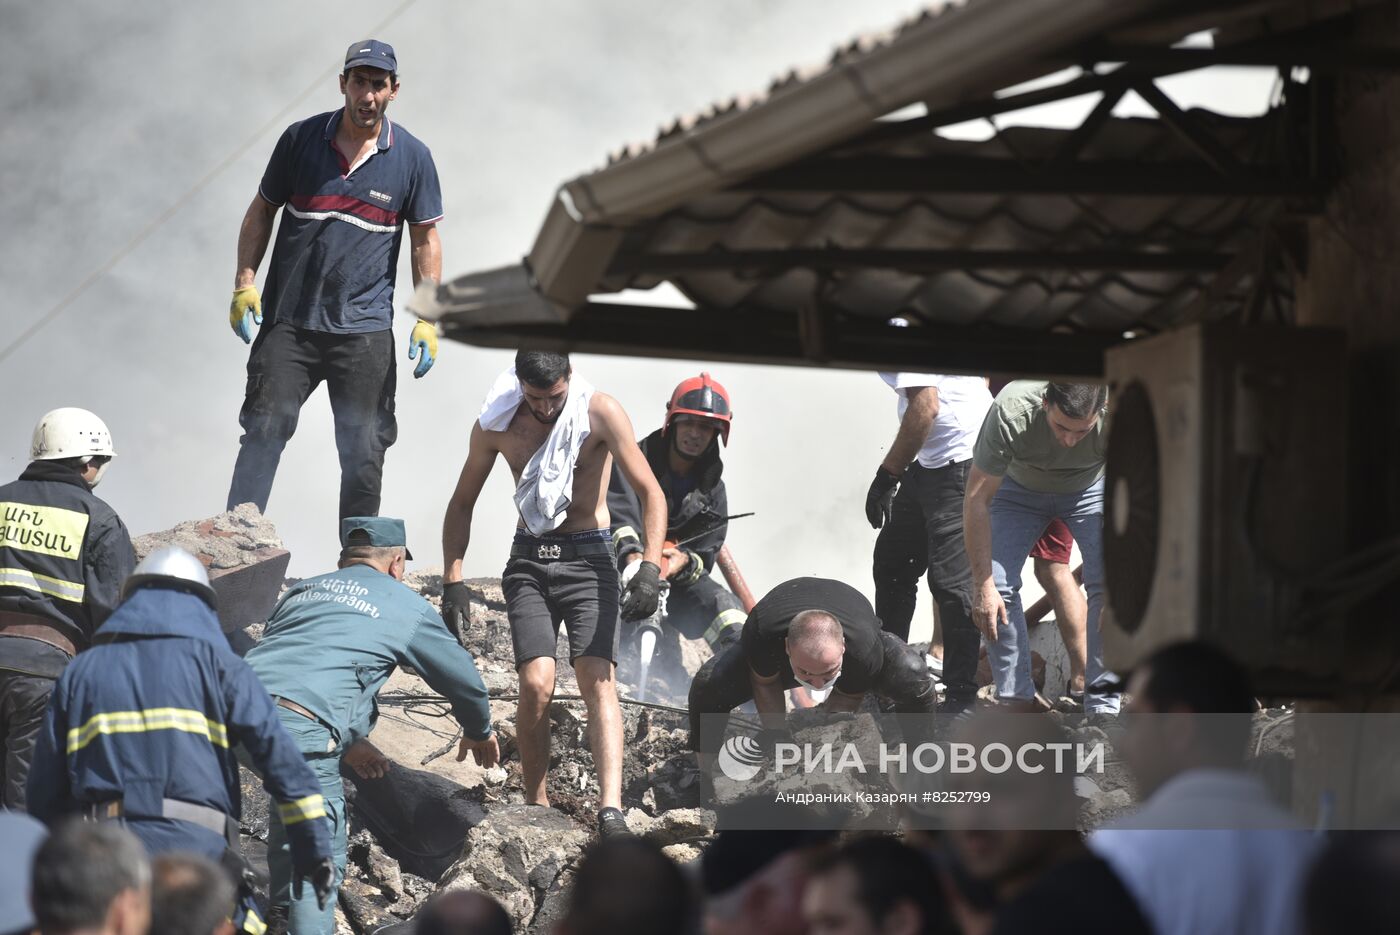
(684, 458)
(64, 554)
(143, 726)
(817, 633)
(349, 181)
(1040, 456)
(559, 436)
(332, 643)
(916, 501)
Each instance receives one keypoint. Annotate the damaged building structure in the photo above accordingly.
(1230, 278)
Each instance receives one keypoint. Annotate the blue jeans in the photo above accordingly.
(322, 754)
(1018, 517)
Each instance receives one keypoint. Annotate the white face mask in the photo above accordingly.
(101, 469)
(818, 694)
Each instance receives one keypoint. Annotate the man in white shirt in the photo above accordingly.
(1207, 852)
(916, 502)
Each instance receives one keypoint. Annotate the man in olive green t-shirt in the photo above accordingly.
(1039, 456)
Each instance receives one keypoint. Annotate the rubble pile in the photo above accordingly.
(435, 824)
(524, 856)
(245, 558)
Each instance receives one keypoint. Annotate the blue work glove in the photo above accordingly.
(422, 346)
(245, 311)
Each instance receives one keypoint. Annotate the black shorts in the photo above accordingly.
(570, 578)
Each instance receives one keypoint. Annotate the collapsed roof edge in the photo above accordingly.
(938, 60)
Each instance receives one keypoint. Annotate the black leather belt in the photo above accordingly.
(35, 627)
(558, 550)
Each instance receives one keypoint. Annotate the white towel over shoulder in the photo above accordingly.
(546, 485)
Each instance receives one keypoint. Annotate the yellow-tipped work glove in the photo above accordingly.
(244, 312)
(422, 346)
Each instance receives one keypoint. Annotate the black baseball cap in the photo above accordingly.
(371, 53)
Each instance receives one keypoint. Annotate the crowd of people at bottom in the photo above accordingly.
(1253, 870)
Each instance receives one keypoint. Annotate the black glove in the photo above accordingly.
(643, 592)
(456, 606)
(879, 502)
(321, 873)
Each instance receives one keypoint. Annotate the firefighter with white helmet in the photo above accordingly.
(64, 554)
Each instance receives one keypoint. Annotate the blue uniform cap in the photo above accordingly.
(382, 531)
(371, 53)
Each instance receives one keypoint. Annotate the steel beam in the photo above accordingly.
(763, 336)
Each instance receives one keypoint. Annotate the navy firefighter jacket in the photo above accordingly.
(153, 711)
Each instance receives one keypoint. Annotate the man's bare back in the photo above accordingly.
(588, 507)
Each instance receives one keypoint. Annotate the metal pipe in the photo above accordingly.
(735, 578)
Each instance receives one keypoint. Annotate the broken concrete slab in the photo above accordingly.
(516, 856)
(245, 557)
(418, 817)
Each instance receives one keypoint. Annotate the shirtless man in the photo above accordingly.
(564, 571)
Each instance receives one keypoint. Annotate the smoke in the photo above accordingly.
(119, 110)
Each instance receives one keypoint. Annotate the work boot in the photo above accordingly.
(955, 710)
(612, 824)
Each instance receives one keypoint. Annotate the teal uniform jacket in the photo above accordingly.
(333, 641)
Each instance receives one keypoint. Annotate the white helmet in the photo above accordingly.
(172, 567)
(72, 433)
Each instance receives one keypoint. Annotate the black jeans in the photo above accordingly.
(285, 365)
(23, 700)
(926, 534)
(722, 684)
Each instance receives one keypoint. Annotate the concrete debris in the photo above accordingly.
(449, 825)
(245, 557)
(516, 855)
(682, 853)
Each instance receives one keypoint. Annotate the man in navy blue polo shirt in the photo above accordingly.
(349, 181)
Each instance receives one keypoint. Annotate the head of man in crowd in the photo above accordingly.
(875, 886)
(190, 895)
(369, 81)
(544, 379)
(754, 880)
(1191, 708)
(377, 541)
(815, 647)
(626, 886)
(1029, 821)
(22, 835)
(92, 878)
(1355, 885)
(1073, 409)
(462, 912)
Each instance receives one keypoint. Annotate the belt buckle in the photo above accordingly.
(549, 551)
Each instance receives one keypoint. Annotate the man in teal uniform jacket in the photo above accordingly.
(332, 643)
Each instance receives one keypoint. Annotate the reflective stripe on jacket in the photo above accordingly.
(64, 553)
(153, 711)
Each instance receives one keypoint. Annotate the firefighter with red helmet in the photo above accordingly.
(684, 454)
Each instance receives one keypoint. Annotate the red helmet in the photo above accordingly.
(700, 396)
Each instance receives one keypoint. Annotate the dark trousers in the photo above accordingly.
(925, 534)
(23, 700)
(285, 365)
(722, 684)
(706, 609)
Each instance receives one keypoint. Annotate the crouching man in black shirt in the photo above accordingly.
(818, 633)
